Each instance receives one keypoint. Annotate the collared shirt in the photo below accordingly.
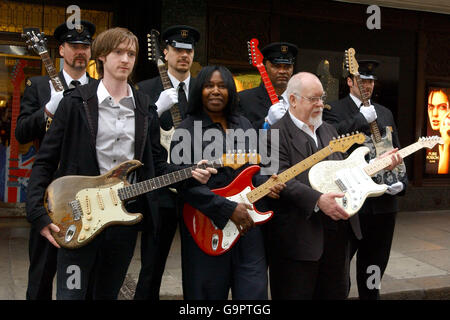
(116, 129)
(176, 82)
(356, 100)
(83, 79)
(305, 128)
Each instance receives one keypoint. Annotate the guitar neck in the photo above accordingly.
(383, 163)
(288, 174)
(167, 84)
(139, 188)
(365, 100)
(51, 70)
(267, 84)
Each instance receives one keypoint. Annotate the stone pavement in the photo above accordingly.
(419, 266)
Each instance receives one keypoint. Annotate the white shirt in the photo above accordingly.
(83, 79)
(305, 128)
(116, 129)
(176, 82)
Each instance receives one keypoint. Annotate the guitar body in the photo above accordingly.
(82, 206)
(347, 176)
(208, 237)
(166, 139)
(378, 148)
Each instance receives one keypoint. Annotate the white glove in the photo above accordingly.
(369, 113)
(395, 188)
(166, 100)
(55, 99)
(276, 112)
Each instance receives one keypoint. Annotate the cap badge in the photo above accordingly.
(284, 49)
(79, 28)
(184, 33)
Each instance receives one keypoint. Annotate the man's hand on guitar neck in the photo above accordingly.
(396, 158)
(369, 113)
(203, 175)
(46, 232)
(166, 100)
(55, 99)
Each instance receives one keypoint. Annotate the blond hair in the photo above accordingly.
(109, 40)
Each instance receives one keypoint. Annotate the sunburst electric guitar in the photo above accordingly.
(352, 176)
(215, 241)
(82, 206)
(38, 43)
(376, 143)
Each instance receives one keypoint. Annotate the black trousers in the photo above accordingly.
(99, 268)
(243, 269)
(42, 267)
(372, 250)
(325, 279)
(154, 253)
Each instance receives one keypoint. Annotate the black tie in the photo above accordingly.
(182, 101)
(74, 84)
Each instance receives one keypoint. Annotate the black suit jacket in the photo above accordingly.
(69, 148)
(345, 117)
(296, 231)
(31, 120)
(254, 104)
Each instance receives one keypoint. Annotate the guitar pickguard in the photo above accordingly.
(376, 149)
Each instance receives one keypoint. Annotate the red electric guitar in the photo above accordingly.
(215, 241)
(256, 60)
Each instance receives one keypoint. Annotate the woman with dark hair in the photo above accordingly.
(243, 268)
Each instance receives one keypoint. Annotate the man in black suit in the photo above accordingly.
(255, 104)
(157, 236)
(38, 102)
(377, 216)
(112, 123)
(309, 233)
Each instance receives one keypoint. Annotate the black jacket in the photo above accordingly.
(200, 196)
(31, 120)
(254, 104)
(346, 118)
(69, 148)
(296, 231)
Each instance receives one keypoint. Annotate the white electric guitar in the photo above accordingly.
(352, 176)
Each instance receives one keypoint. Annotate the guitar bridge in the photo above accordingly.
(76, 209)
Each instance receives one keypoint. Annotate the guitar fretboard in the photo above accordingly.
(139, 188)
(383, 163)
(51, 70)
(365, 100)
(167, 84)
(267, 83)
(289, 174)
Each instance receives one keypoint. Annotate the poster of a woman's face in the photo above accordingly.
(438, 123)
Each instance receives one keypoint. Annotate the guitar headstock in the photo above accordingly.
(255, 56)
(343, 143)
(35, 40)
(18, 75)
(430, 142)
(350, 62)
(154, 51)
(237, 159)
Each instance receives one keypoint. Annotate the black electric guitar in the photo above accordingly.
(377, 144)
